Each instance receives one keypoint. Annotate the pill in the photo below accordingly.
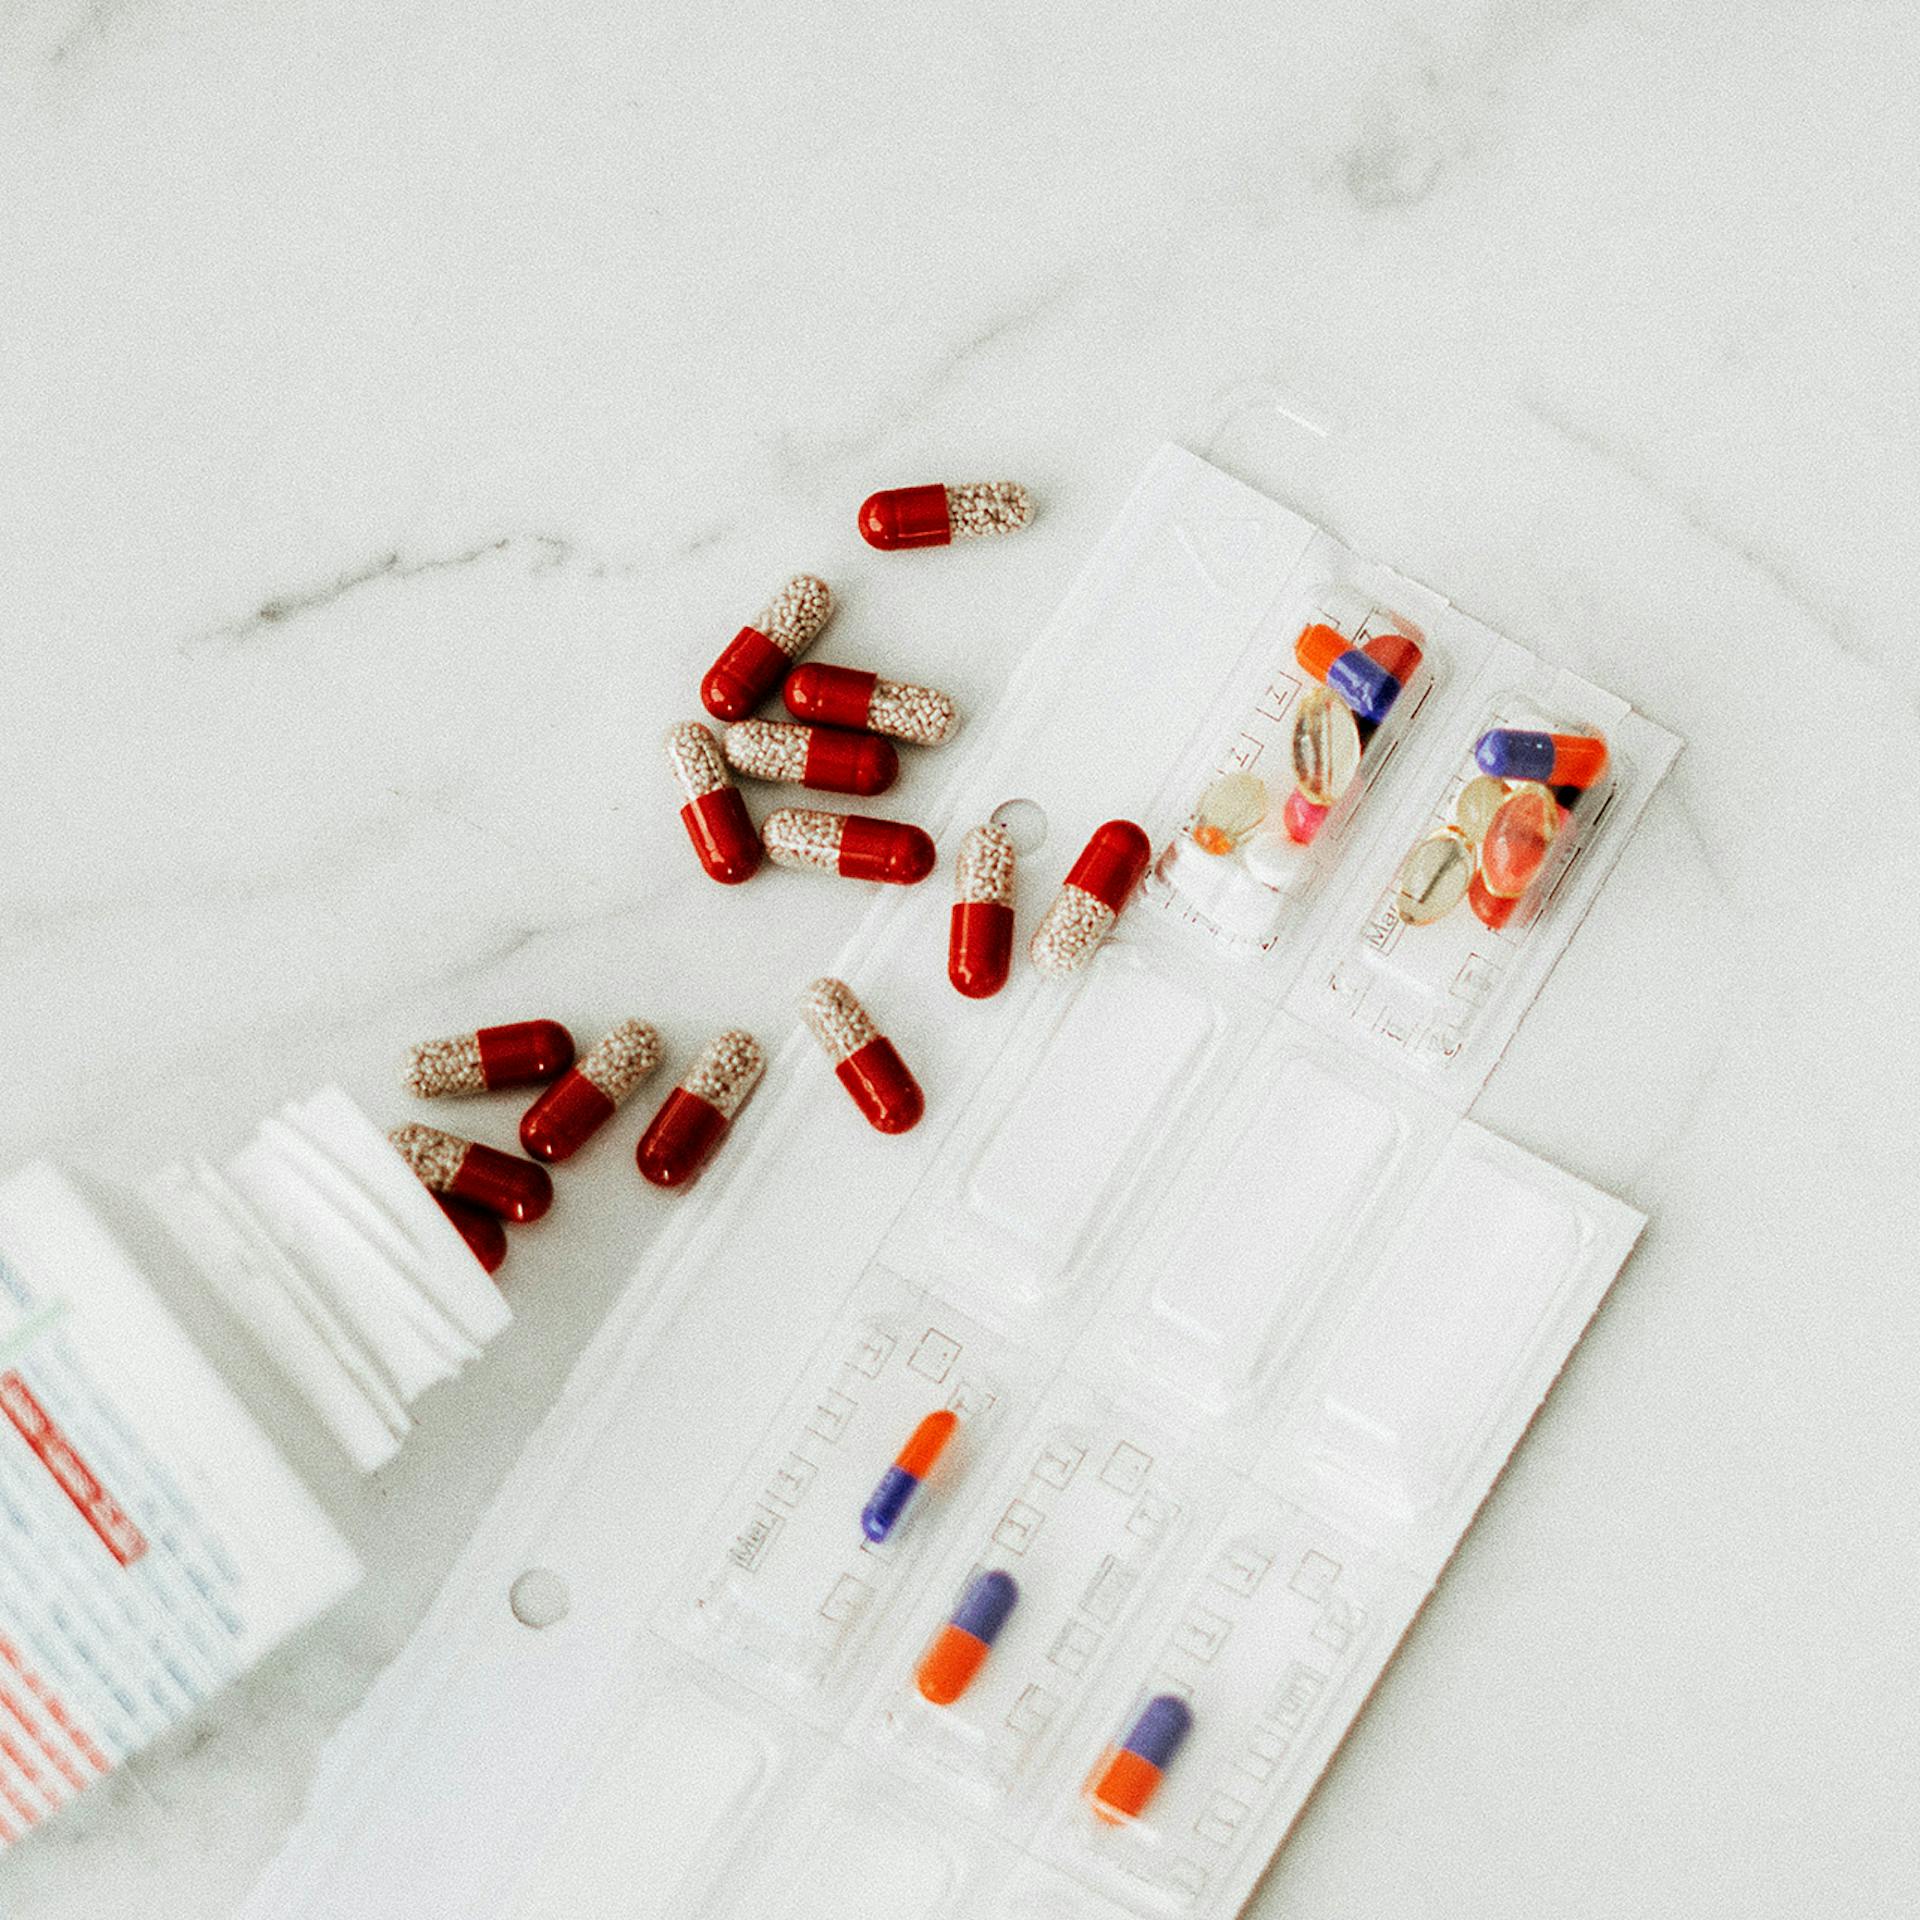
(503, 1183)
(851, 845)
(1476, 804)
(759, 654)
(1433, 878)
(932, 516)
(1083, 912)
(1516, 843)
(1326, 746)
(822, 757)
(911, 1466)
(1488, 908)
(584, 1099)
(483, 1232)
(1363, 683)
(1303, 819)
(1229, 811)
(714, 815)
(521, 1054)
(959, 1649)
(1398, 653)
(1555, 759)
(864, 1059)
(694, 1118)
(851, 697)
(980, 935)
(1130, 1774)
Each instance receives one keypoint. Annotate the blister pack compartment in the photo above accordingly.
(1260, 1314)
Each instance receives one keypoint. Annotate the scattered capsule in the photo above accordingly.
(1433, 878)
(1229, 811)
(851, 845)
(715, 816)
(959, 1649)
(901, 1481)
(1302, 817)
(1488, 908)
(759, 654)
(851, 697)
(521, 1054)
(980, 935)
(1515, 848)
(503, 1183)
(1084, 910)
(1554, 759)
(1361, 681)
(821, 757)
(483, 1232)
(695, 1116)
(863, 1057)
(1476, 804)
(932, 516)
(582, 1101)
(1130, 1774)
(1326, 747)
(1397, 652)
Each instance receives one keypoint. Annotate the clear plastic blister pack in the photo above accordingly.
(1009, 1518)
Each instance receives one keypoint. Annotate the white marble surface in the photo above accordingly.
(399, 403)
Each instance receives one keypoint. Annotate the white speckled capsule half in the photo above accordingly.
(695, 759)
(983, 873)
(1073, 928)
(922, 715)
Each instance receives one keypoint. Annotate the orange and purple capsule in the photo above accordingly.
(901, 1481)
(1553, 759)
(1128, 1778)
(934, 516)
(1364, 679)
(960, 1648)
(761, 652)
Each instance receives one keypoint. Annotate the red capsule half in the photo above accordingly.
(980, 947)
(829, 696)
(906, 517)
(859, 763)
(565, 1118)
(525, 1053)
(486, 1238)
(503, 1183)
(888, 850)
(882, 1087)
(721, 830)
(1112, 863)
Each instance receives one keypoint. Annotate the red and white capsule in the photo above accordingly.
(483, 1232)
(715, 816)
(695, 1116)
(521, 1054)
(933, 516)
(503, 1183)
(852, 697)
(760, 653)
(866, 1061)
(980, 935)
(582, 1101)
(851, 845)
(1082, 915)
(823, 758)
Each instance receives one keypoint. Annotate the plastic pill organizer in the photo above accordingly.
(1239, 1316)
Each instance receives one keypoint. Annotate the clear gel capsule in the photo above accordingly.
(1433, 878)
(521, 1054)
(1516, 843)
(583, 1100)
(850, 697)
(864, 1059)
(851, 845)
(485, 1235)
(760, 653)
(980, 935)
(1476, 804)
(932, 516)
(1326, 746)
(1229, 811)
(503, 1183)
(959, 1649)
(1488, 908)
(1089, 902)
(1554, 759)
(693, 1119)
(824, 758)
(911, 1467)
(715, 816)
(1129, 1776)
